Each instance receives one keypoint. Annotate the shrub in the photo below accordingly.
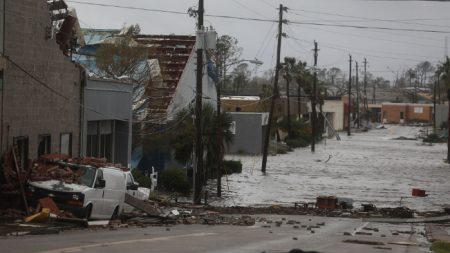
(440, 247)
(143, 180)
(230, 166)
(297, 143)
(434, 138)
(175, 180)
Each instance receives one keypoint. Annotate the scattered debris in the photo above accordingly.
(363, 233)
(385, 248)
(404, 243)
(327, 202)
(403, 138)
(363, 242)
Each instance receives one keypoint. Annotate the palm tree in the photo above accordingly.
(287, 69)
(299, 76)
(183, 134)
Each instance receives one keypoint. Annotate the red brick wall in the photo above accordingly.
(391, 113)
(411, 112)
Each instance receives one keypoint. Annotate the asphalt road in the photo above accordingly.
(262, 237)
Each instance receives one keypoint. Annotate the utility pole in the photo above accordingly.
(439, 86)
(357, 96)
(374, 100)
(366, 104)
(349, 97)
(198, 173)
(275, 89)
(219, 141)
(434, 107)
(415, 88)
(314, 101)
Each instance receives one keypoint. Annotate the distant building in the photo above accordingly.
(248, 130)
(40, 87)
(169, 88)
(257, 104)
(334, 111)
(399, 113)
(107, 120)
(171, 68)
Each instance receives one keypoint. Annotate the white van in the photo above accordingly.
(100, 193)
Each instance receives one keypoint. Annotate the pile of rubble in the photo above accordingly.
(63, 168)
(44, 172)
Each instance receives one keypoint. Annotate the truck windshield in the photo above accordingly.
(87, 176)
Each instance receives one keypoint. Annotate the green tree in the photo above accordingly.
(241, 78)
(300, 77)
(227, 52)
(444, 68)
(183, 133)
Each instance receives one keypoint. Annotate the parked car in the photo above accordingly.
(99, 194)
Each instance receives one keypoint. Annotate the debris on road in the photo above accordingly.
(363, 242)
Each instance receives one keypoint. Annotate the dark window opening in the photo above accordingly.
(92, 145)
(105, 146)
(22, 151)
(402, 115)
(44, 146)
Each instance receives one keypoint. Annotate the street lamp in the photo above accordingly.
(219, 122)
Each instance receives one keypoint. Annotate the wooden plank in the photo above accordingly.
(142, 205)
(19, 178)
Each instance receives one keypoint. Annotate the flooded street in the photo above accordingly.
(368, 167)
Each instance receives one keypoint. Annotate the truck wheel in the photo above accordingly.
(115, 214)
(88, 212)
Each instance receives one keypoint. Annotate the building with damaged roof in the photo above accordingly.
(170, 76)
(170, 65)
(40, 86)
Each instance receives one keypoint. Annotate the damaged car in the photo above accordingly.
(89, 193)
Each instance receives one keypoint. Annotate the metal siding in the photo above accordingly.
(107, 100)
(248, 137)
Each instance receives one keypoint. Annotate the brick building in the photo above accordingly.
(40, 91)
(396, 113)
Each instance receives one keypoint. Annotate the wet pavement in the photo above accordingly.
(369, 167)
(269, 234)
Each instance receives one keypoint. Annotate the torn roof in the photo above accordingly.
(168, 56)
(172, 53)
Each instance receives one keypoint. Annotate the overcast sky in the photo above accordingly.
(386, 51)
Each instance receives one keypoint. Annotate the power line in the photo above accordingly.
(367, 19)
(371, 50)
(249, 9)
(374, 38)
(128, 7)
(385, 32)
(266, 20)
(368, 27)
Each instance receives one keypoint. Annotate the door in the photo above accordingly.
(97, 195)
